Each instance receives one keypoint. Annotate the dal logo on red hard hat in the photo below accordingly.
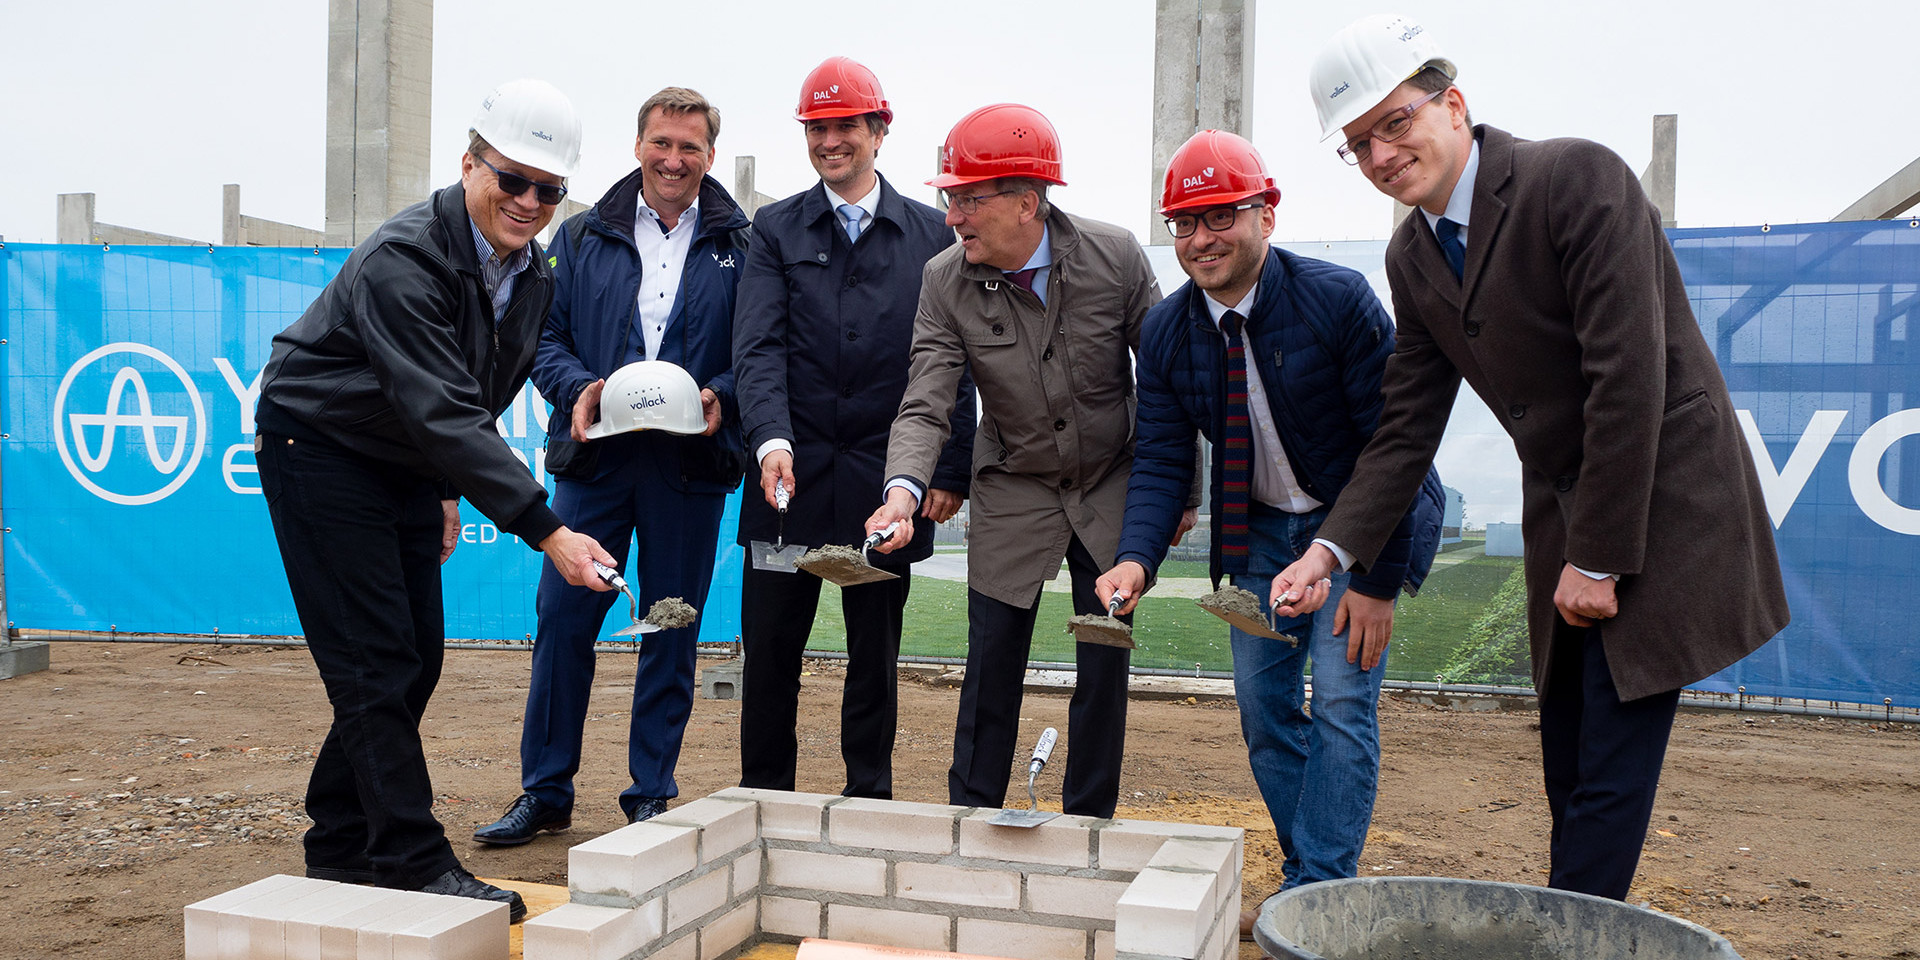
(157, 428)
(1215, 167)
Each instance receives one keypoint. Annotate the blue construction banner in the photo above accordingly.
(131, 499)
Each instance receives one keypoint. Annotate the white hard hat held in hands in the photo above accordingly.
(649, 395)
(531, 123)
(1359, 66)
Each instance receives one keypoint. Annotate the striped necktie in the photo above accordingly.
(1237, 472)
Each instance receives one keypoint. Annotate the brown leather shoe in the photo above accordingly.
(1247, 919)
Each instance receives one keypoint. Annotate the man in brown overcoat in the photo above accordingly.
(1044, 309)
(1539, 274)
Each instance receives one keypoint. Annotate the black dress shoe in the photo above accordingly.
(459, 883)
(647, 809)
(359, 875)
(522, 821)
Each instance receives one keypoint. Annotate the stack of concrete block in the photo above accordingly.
(296, 918)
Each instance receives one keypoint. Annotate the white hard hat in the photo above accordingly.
(649, 395)
(1361, 65)
(532, 123)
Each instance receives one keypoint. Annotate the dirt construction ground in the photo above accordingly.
(135, 779)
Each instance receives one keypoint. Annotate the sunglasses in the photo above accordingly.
(513, 185)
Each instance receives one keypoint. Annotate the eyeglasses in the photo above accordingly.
(513, 185)
(1216, 219)
(967, 203)
(1391, 127)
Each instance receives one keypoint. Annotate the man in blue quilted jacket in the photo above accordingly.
(1277, 359)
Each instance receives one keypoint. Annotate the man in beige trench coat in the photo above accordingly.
(1045, 309)
(1538, 273)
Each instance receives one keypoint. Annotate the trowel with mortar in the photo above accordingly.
(1241, 609)
(616, 581)
(1034, 816)
(843, 566)
(778, 556)
(1107, 630)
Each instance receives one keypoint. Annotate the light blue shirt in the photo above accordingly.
(495, 274)
(1041, 261)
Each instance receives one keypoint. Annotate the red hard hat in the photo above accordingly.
(1215, 167)
(1002, 140)
(840, 87)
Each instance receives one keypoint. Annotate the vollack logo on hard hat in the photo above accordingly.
(1339, 90)
(159, 439)
(548, 137)
(657, 398)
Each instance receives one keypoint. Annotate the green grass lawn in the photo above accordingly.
(1173, 633)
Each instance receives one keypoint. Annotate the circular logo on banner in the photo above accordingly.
(131, 442)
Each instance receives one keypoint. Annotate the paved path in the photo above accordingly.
(953, 566)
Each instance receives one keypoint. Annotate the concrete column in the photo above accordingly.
(744, 194)
(231, 234)
(75, 218)
(379, 103)
(1202, 79)
(1658, 179)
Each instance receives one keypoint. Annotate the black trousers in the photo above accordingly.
(985, 736)
(1602, 759)
(776, 617)
(361, 544)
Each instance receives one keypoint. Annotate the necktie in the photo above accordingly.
(1023, 278)
(1448, 233)
(1237, 441)
(852, 214)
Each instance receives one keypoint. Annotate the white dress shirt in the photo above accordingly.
(1273, 482)
(663, 254)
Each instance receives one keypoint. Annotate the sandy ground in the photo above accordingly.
(135, 779)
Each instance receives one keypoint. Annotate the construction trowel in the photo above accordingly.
(778, 556)
(616, 581)
(1034, 816)
(1108, 630)
(845, 566)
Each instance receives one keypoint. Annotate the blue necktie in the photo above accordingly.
(1448, 233)
(852, 214)
(1237, 460)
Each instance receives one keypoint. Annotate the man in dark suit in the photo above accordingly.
(1538, 273)
(821, 332)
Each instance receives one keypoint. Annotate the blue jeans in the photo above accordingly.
(1317, 775)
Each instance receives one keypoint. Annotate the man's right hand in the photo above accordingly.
(586, 410)
(777, 467)
(1299, 589)
(899, 508)
(573, 555)
(1128, 579)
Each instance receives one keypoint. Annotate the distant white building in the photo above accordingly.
(1503, 540)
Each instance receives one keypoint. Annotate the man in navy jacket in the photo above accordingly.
(647, 274)
(1312, 340)
(821, 334)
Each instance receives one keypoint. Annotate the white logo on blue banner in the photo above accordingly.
(169, 423)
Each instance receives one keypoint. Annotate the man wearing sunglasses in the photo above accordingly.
(648, 273)
(1277, 359)
(1538, 273)
(1044, 310)
(376, 414)
(821, 336)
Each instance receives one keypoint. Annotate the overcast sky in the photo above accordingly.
(1789, 111)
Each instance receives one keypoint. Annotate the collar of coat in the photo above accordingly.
(718, 213)
(816, 206)
(1415, 238)
(1064, 236)
(452, 234)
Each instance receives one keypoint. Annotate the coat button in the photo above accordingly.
(1517, 411)
(853, 281)
(1066, 484)
(1047, 355)
(847, 393)
(1563, 484)
(853, 334)
(1473, 328)
(845, 447)
(1059, 425)
(999, 328)
(821, 256)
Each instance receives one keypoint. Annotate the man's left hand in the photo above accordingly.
(710, 408)
(450, 528)
(1188, 518)
(1582, 600)
(941, 505)
(1368, 622)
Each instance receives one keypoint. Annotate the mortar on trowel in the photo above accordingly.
(1242, 609)
(671, 612)
(846, 566)
(1107, 630)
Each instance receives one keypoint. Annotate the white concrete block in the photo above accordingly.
(806, 870)
(732, 929)
(943, 884)
(685, 948)
(340, 938)
(578, 931)
(788, 917)
(1102, 945)
(1062, 841)
(746, 873)
(888, 928)
(1074, 896)
(1128, 845)
(697, 898)
(785, 815)
(632, 860)
(1212, 857)
(252, 928)
(893, 825)
(202, 918)
(301, 933)
(1021, 941)
(465, 929)
(725, 823)
(1165, 913)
